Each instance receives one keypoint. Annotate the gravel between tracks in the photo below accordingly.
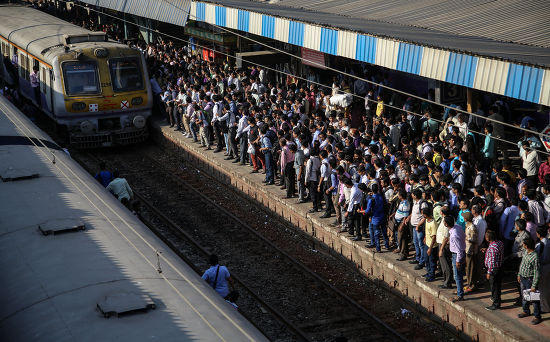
(273, 278)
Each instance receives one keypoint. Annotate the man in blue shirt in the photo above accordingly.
(506, 225)
(375, 208)
(104, 176)
(488, 150)
(218, 277)
(265, 148)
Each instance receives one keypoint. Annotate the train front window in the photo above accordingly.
(125, 74)
(80, 78)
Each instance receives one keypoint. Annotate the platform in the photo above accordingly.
(469, 318)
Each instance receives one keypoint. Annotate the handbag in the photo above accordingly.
(251, 149)
(529, 296)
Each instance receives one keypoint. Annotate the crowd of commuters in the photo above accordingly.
(431, 179)
(399, 180)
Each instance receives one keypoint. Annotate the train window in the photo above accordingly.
(80, 78)
(126, 74)
(24, 70)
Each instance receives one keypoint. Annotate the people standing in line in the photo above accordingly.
(457, 246)
(494, 257)
(528, 277)
(265, 148)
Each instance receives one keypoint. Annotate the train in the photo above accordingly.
(79, 266)
(97, 91)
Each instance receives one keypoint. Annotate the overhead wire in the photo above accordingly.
(367, 80)
(296, 76)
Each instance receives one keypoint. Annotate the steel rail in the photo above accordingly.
(362, 310)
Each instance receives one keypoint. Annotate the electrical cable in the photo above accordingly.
(368, 81)
(292, 75)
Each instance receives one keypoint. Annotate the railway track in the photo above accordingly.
(274, 283)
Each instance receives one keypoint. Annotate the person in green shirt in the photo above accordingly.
(528, 277)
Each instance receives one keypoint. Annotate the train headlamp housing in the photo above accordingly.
(86, 127)
(139, 121)
(101, 52)
(78, 106)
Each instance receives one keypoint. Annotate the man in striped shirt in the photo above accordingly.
(528, 277)
(493, 262)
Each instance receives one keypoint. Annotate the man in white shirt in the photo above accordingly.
(121, 189)
(530, 161)
(351, 214)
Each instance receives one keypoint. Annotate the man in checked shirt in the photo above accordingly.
(493, 262)
(528, 277)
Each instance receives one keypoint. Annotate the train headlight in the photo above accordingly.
(139, 121)
(86, 127)
(78, 106)
(136, 101)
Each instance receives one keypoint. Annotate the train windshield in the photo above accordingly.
(80, 78)
(126, 74)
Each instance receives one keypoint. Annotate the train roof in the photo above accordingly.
(55, 287)
(39, 33)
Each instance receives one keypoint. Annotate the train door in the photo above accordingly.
(46, 88)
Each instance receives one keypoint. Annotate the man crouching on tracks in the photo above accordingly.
(218, 277)
(121, 189)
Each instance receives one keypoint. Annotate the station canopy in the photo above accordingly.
(502, 47)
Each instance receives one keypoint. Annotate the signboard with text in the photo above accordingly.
(314, 58)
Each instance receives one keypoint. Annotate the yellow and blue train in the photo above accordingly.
(96, 90)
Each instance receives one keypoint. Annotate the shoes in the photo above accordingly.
(443, 286)
(414, 261)
(536, 321)
(208, 148)
(171, 126)
(418, 267)
(457, 299)
(228, 158)
(236, 161)
(492, 307)
(425, 275)
(178, 129)
(313, 210)
(217, 150)
(524, 314)
(254, 171)
(378, 250)
(282, 187)
(371, 246)
(429, 279)
(401, 258)
(269, 183)
(241, 163)
(357, 238)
